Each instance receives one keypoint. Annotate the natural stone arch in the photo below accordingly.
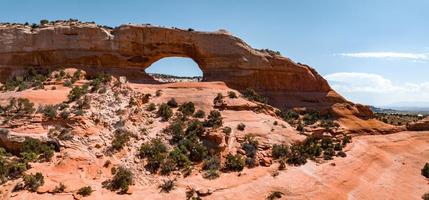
(130, 49)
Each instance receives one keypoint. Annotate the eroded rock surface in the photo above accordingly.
(129, 49)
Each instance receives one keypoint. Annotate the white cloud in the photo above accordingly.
(375, 89)
(399, 55)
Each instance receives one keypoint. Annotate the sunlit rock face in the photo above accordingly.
(130, 49)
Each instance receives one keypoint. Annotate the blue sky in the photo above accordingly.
(371, 51)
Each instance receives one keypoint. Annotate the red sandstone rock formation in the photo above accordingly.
(129, 49)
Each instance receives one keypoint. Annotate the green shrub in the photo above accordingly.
(234, 163)
(214, 119)
(44, 21)
(121, 180)
(195, 127)
(199, 114)
(85, 191)
(33, 182)
(158, 93)
(280, 151)
(290, 116)
(19, 107)
(347, 139)
(232, 95)
(59, 189)
(187, 108)
(252, 95)
(172, 103)
(218, 100)
(212, 163)
(33, 149)
(155, 151)
(121, 138)
(328, 153)
(211, 174)
(250, 146)
(49, 111)
(241, 126)
(168, 166)
(425, 170)
(227, 130)
(179, 157)
(167, 186)
(77, 92)
(175, 129)
(165, 112)
(282, 164)
(151, 107)
(64, 114)
(311, 117)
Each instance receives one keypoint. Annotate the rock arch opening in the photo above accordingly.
(175, 69)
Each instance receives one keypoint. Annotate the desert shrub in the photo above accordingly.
(165, 112)
(211, 174)
(289, 116)
(297, 155)
(33, 149)
(311, 117)
(195, 127)
(250, 146)
(241, 126)
(167, 186)
(328, 124)
(227, 130)
(19, 107)
(121, 180)
(44, 21)
(211, 163)
(280, 151)
(76, 76)
(199, 114)
(252, 95)
(77, 92)
(107, 163)
(179, 157)
(33, 182)
(121, 138)
(341, 154)
(232, 95)
(425, 170)
(274, 195)
(282, 164)
(214, 119)
(155, 151)
(158, 93)
(175, 129)
(328, 153)
(234, 163)
(49, 111)
(85, 191)
(151, 107)
(172, 103)
(64, 114)
(218, 100)
(192, 147)
(187, 108)
(326, 142)
(167, 166)
(59, 188)
(347, 139)
(338, 146)
(68, 83)
(84, 103)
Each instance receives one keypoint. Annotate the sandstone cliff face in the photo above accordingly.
(129, 49)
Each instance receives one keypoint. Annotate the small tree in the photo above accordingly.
(33, 182)
(234, 163)
(172, 103)
(232, 95)
(121, 180)
(199, 114)
(167, 186)
(85, 191)
(165, 112)
(214, 119)
(44, 21)
(241, 126)
(187, 108)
